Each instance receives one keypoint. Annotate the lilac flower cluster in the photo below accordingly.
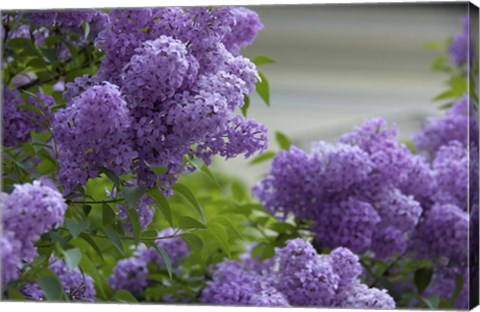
(454, 126)
(297, 276)
(443, 231)
(29, 211)
(69, 20)
(93, 132)
(462, 47)
(452, 141)
(178, 88)
(131, 273)
(18, 122)
(76, 285)
(357, 192)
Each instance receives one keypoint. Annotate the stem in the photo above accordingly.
(95, 201)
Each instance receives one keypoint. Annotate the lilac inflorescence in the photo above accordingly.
(31, 210)
(442, 232)
(76, 285)
(454, 126)
(172, 87)
(297, 276)
(355, 191)
(92, 133)
(19, 122)
(131, 273)
(462, 47)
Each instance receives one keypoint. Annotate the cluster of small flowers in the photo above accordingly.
(131, 273)
(76, 285)
(169, 84)
(358, 192)
(295, 276)
(91, 133)
(462, 47)
(18, 122)
(29, 211)
(443, 232)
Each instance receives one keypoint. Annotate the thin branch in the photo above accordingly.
(95, 201)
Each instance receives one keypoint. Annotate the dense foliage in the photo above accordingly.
(111, 120)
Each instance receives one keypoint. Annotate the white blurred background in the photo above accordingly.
(339, 64)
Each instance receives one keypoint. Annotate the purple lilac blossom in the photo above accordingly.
(92, 133)
(31, 210)
(172, 68)
(451, 174)
(131, 273)
(359, 296)
(76, 285)
(247, 26)
(17, 122)
(462, 47)
(11, 251)
(454, 126)
(297, 276)
(444, 233)
(352, 191)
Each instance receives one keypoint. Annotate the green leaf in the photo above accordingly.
(112, 176)
(166, 260)
(158, 170)
(124, 296)
(283, 141)
(422, 279)
(51, 286)
(86, 29)
(86, 210)
(188, 195)
(133, 195)
(246, 105)
(432, 301)
(263, 157)
(283, 228)
(228, 225)
(135, 223)
(264, 250)
(193, 241)
(263, 89)
(434, 45)
(149, 234)
(162, 204)
(15, 294)
(204, 169)
(76, 228)
(238, 192)
(36, 63)
(87, 266)
(108, 215)
(458, 287)
(92, 243)
(72, 257)
(113, 236)
(21, 43)
(186, 222)
(262, 59)
(447, 95)
(221, 236)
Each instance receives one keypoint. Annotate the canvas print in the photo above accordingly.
(277, 156)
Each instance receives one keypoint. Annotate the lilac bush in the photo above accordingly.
(112, 119)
